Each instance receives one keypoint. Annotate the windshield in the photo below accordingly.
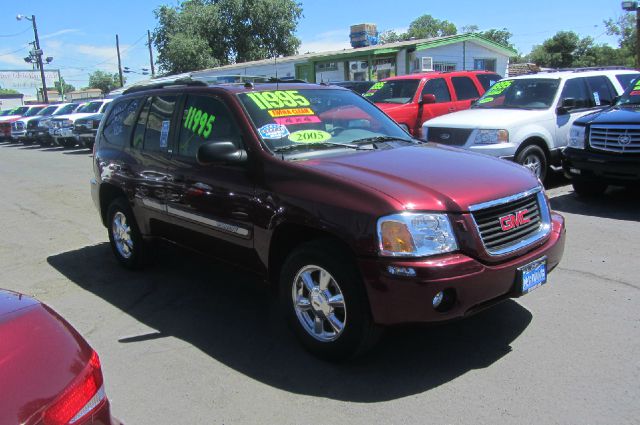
(525, 93)
(33, 111)
(66, 109)
(6, 112)
(91, 107)
(48, 110)
(394, 91)
(631, 96)
(315, 119)
(20, 110)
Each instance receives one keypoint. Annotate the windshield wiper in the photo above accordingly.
(380, 139)
(323, 144)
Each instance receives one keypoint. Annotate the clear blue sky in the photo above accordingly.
(80, 35)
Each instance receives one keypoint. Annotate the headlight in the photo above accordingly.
(44, 123)
(576, 137)
(66, 123)
(488, 137)
(415, 235)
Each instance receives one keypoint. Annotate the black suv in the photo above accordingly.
(604, 147)
(319, 192)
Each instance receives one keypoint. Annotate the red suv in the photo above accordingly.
(413, 99)
(316, 190)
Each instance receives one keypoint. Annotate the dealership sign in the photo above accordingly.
(22, 79)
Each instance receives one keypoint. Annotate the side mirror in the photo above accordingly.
(220, 152)
(567, 104)
(427, 99)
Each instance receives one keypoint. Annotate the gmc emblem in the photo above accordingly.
(511, 221)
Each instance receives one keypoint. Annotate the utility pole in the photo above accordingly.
(119, 63)
(45, 96)
(153, 71)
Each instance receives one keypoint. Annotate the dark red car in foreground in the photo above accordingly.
(49, 375)
(319, 192)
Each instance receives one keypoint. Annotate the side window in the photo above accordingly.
(119, 123)
(205, 119)
(464, 87)
(601, 91)
(576, 89)
(487, 80)
(156, 134)
(141, 125)
(626, 79)
(438, 88)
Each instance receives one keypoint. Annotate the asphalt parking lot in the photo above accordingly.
(193, 341)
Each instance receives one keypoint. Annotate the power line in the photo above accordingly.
(16, 34)
(10, 53)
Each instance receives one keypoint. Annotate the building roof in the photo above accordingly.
(378, 49)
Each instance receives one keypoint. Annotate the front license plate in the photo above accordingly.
(533, 275)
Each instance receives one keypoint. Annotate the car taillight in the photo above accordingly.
(82, 397)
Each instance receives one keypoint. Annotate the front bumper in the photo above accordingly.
(395, 299)
(609, 168)
(19, 135)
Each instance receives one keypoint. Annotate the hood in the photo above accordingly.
(73, 117)
(430, 176)
(40, 355)
(10, 117)
(489, 118)
(614, 115)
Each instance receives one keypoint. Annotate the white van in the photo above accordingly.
(527, 118)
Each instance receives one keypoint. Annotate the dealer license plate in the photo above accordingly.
(533, 275)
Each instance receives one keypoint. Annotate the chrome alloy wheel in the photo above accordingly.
(319, 303)
(122, 234)
(533, 163)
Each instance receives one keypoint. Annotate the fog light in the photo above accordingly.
(401, 271)
(437, 300)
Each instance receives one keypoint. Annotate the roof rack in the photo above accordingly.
(582, 69)
(188, 81)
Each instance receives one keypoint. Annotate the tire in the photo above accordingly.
(128, 246)
(346, 328)
(534, 158)
(588, 189)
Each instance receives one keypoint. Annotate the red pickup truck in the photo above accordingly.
(413, 99)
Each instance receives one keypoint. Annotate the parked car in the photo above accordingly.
(412, 99)
(527, 118)
(85, 130)
(321, 193)
(359, 87)
(38, 127)
(61, 130)
(16, 112)
(7, 123)
(49, 373)
(604, 147)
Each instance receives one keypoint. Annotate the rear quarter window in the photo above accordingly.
(487, 80)
(119, 123)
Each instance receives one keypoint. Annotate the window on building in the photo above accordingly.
(205, 119)
(326, 66)
(444, 66)
(117, 128)
(464, 87)
(485, 64)
(438, 88)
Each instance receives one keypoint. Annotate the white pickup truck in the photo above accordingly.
(527, 118)
(61, 129)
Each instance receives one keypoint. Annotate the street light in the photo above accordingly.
(37, 52)
(631, 6)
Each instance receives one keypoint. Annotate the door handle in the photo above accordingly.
(452, 109)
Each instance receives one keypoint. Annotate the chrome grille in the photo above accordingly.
(18, 125)
(621, 138)
(489, 218)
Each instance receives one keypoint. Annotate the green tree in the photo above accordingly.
(104, 81)
(64, 87)
(500, 36)
(624, 27)
(426, 26)
(199, 34)
(8, 91)
(558, 51)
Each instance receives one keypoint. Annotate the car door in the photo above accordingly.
(574, 88)
(444, 103)
(210, 206)
(465, 92)
(147, 159)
